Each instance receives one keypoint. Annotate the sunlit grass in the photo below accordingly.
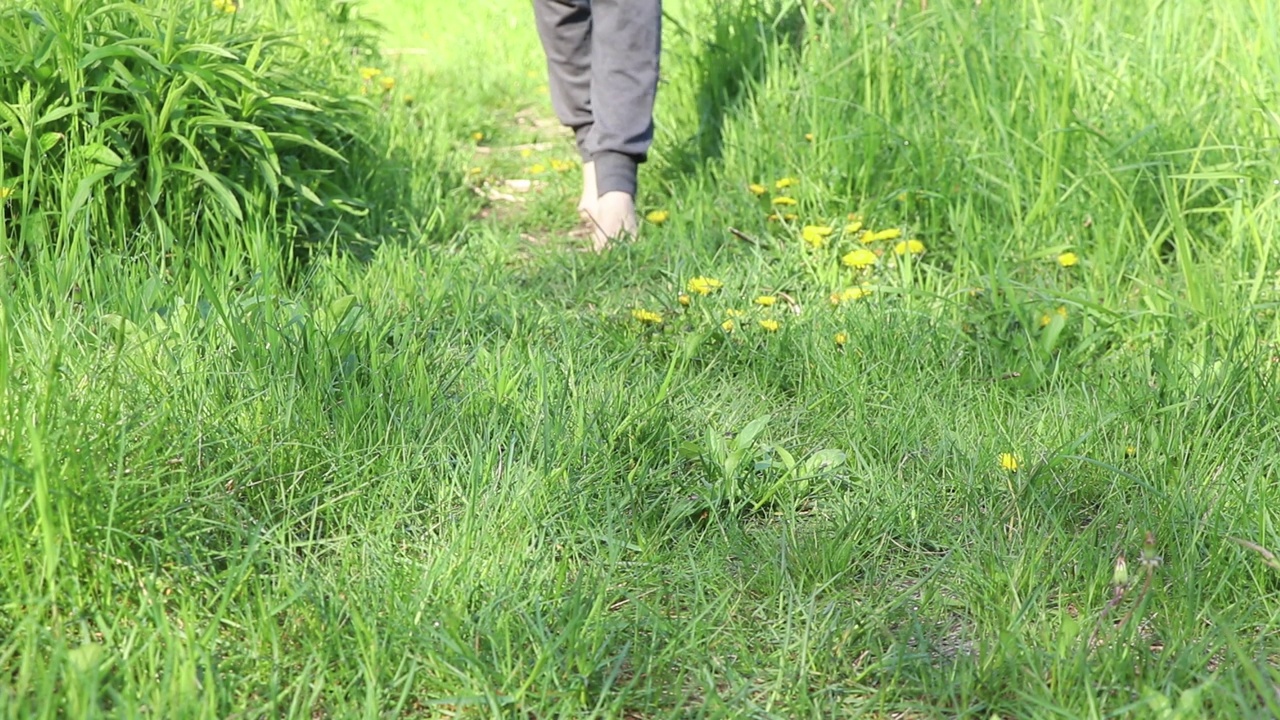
(986, 427)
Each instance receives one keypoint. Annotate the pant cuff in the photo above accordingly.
(580, 137)
(616, 172)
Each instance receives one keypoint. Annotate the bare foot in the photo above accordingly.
(614, 216)
(587, 205)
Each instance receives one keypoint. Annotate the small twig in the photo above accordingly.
(1268, 557)
(743, 236)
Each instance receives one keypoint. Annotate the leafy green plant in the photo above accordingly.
(742, 475)
(162, 117)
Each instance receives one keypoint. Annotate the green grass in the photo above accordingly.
(423, 462)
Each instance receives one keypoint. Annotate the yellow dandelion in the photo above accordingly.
(226, 6)
(850, 294)
(808, 136)
(1009, 462)
(785, 201)
(853, 227)
(684, 299)
(915, 247)
(816, 235)
(647, 317)
(561, 165)
(859, 258)
(1047, 318)
(477, 136)
(757, 189)
(475, 171)
(841, 339)
(408, 99)
(657, 217)
(5, 192)
(369, 73)
(789, 216)
(785, 183)
(524, 152)
(704, 285)
(1067, 259)
(1130, 451)
(770, 325)
(890, 234)
(537, 169)
(728, 325)
(766, 300)
(388, 83)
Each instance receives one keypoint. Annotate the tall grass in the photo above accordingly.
(451, 475)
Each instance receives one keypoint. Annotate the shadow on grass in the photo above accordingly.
(730, 60)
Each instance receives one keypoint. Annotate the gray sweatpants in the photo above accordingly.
(602, 62)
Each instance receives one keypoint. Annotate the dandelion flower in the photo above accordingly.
(684, 299)
(1047, 318)
(915, 247)
(770, 325)
(849, 294)
(388, 83)
(408, 99)
(859, 258)
(854, 293)
(524, 152)
(785, 183)
(890, 234)
(841, 339)
(853, 227)
(561, 165)
(477, 136)
(727, 326)
(808, 137)
(757, 189)
(657, 217)
(1067, 259)
(537, 169)
(816, 235)
(1130, 451)
(784, 201)
(704, 285)
(6, 193)
(367, 73)
(226, 6)
(1009, 462)
(647, 317)
(766, 300)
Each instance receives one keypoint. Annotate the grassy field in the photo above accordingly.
(942, 382)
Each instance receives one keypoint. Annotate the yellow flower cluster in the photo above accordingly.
(657, 217)
(226, 6)
(859, 258)
(647, 317)
(703, 285)
(1009, 462)
(816, 235)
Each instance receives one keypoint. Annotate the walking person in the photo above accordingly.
(602, 65)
